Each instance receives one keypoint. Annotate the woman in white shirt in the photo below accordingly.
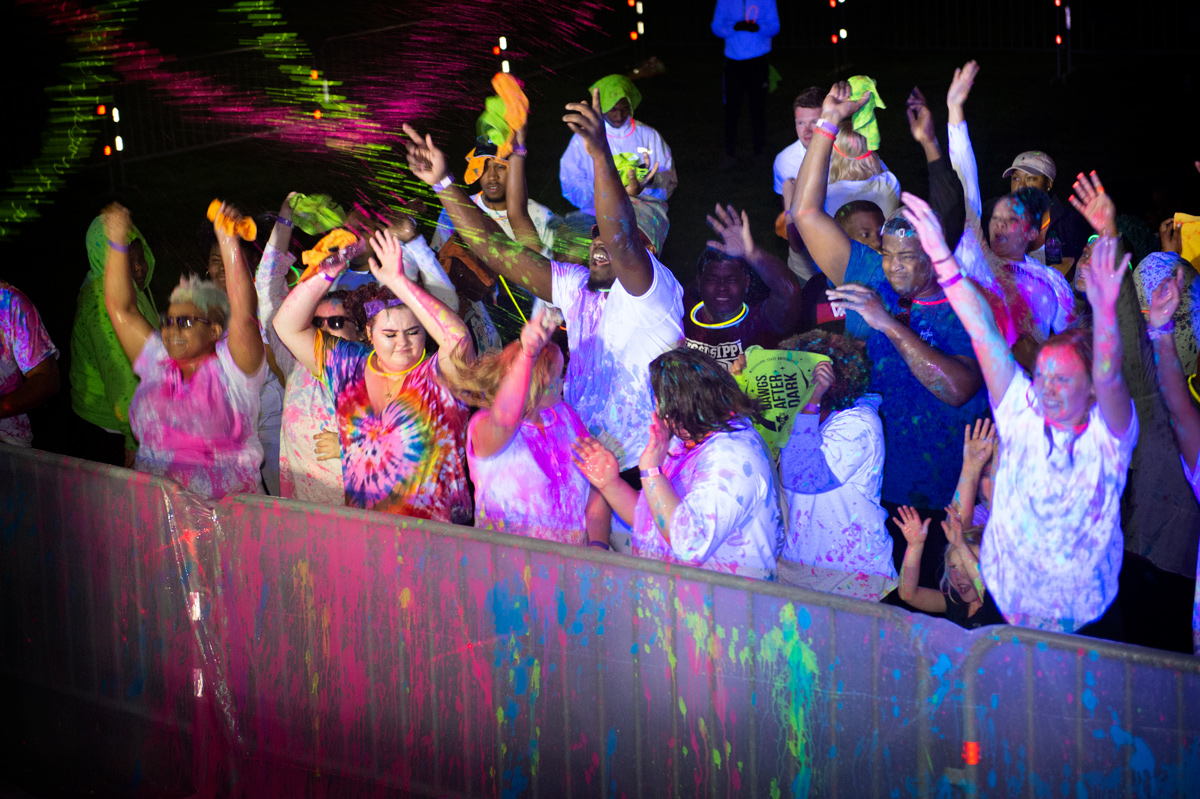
(1053, 545)
(832, 473)
(856, 173)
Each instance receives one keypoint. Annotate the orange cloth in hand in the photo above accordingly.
(334, 240)
(243, 227)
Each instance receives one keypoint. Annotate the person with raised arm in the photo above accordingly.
(402, 431)
(1185, 418)
(28, 365)
(921, 358)
(720, 322)
(195, 411)
(519, 444)
(622, 310)
(1053, 545)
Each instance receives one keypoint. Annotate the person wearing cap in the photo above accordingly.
(622, 310)
(747, 29)
(619, 99)
(1036, 169)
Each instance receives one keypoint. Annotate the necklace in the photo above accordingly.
(391, 375)
(720, 325)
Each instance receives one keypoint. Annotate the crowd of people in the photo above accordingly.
(551, 377)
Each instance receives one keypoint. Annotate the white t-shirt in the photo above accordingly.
(577, 173)
(832, 475)
(1052, 548)
(613, 338)
(787, 164)
(882, 189)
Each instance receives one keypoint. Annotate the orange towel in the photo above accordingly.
(243, 227)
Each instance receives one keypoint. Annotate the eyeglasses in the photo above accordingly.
(184, 322)
(332, 322)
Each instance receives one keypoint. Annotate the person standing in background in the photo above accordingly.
(747, 28)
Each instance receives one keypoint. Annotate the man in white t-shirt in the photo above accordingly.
(622, 310)
(806, 110)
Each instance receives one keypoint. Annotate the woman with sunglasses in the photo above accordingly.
(195, 411)
(402, 432)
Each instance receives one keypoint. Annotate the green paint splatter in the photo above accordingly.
(682, 707)
(791, 690)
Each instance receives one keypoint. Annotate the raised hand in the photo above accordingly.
(863, 300)
(978, 446)
(117, 222)
(929, 229)
(1094, 204)
(587, 121)
(960, 90)
(656, 447)
(738, 366)
(390, 266)
(1170, 235)
(920, 120)
(634, 187)
(837, 105)
(953, 527)
(823, 380)
(1164, 301)
(595, 462)
(734, 230)
(1104, 278)
(425, 160)
(535, 334)
(911, 525)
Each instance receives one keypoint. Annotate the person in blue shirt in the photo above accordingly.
(747, 26)
(923, 362)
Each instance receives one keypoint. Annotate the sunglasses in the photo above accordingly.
(184, 322)
(331, 322)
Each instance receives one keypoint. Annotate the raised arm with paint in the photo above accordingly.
(1053, 547)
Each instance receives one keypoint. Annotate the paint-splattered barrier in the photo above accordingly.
(266, 648)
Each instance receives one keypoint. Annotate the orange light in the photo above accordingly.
(107, 150)
(313, 74)
(1058, 40)
(101, 110)
(496, 50)
(833, 3)
(317, 114)
(633, 36)
(970, 752)
(632, 3)
(1058, 2)
(833, 38)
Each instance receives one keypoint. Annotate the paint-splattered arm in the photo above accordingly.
(1103, 287)
(599, 466)
(528, 268)
(614, 209)
(994, 356)
(120, 294)
(598, 517)
(494, 427)
(1185, 419)
(517, 197)
(662, 501)
(293, 320)
(245, 338)
(433, 278)
(915, 531)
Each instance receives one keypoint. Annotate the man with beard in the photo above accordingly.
(622, 310)
(922, 362)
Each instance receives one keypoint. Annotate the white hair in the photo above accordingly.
(206, 296)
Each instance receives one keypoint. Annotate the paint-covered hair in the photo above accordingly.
(696, 395)
(971, 537)
(361, 296)
(206, 296)
(712, 256)
(812, 97)
(851, 365)
(477, 383)
(858, 163)
(1030, 204)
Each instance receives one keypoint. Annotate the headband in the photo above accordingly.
(374, 307)
(867, 154)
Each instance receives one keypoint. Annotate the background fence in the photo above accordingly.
(274, 648)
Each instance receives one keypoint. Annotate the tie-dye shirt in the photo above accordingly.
(728, 518)
(411, 459)
(1053, 546)
(832, 475)
(24, 343)
(531, 487)
(307, 410)
(201, 432)
(613, 337)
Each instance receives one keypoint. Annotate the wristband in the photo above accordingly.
(646, 474)
(600, 545)
(284, 222)
(825, 133)
(327, 277)
(827, 126)
(519, 149)
(812, 407)
(443, 184)
(1162, 331)
(118, 247)
(951, 281)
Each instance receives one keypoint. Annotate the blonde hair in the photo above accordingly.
(971, 537)
(845, 167)
(477, 383)
(206, 295)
